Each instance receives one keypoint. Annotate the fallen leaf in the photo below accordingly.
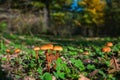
(83, 78)
(28, 78)
(93, 73)
(114, 65)
(54, 78)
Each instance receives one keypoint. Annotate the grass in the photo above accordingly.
(72, 62)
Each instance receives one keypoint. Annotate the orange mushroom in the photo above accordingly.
(57, 49)
(8, 55)
(86, 53)
(57, 55)
(17, 51)
(7, 51)
(48, 57)
(109, 44)
(106, 49)
(47, 47)
(36, 49)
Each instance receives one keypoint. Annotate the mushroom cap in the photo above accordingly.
(7, 51)
(109, 44)
(17, 50)
(106, 49)
(36, 48)
(86, 53)
(58, 48)
(46, 47)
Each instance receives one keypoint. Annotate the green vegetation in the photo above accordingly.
(72, 62)
(85, 31)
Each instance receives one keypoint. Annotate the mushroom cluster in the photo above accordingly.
(12, 54)
(50, 57)
(107, 47)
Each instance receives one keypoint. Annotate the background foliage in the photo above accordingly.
(63, 17)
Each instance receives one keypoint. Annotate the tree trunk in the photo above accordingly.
(45, 21)
(90, 32)
(46, 16)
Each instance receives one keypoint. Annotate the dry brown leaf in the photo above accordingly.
(83, 77)
(93, 73)
(111, 70)
(28, 78)
(54, 78)
(114, 64)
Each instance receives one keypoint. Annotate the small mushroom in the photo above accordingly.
(106, 49)
(109, 44)
(7, 51)
(36, 49)
(86, 53)
(57, 55)
(16, 55)
(8, 55)
(48, 58)
(17, 51)
(57, 49)
(47, 47)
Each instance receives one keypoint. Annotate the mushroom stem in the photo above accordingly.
(57, 54)
(36, 49)
(36, 54)
(8, 58)
(51, 51)
(46, 53)
(48, 66)
(48, 59)
(57, 49)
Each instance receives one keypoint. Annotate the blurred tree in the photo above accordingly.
(94, 11)
(109, 3)
(74, 6)
(93, 15)
(87, 14)
(112, 18)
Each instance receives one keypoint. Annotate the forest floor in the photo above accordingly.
(82, 58)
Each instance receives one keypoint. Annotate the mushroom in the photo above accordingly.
(8, 55)
(109, 44)
(57, 55)
(17, 51)
(36, 49)
(86, 53)
(7, 51)
(47, 47)
(48, 57)
(16, 55)
(106, 49)
(57, 49)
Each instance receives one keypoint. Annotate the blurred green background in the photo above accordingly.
(89, 18)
